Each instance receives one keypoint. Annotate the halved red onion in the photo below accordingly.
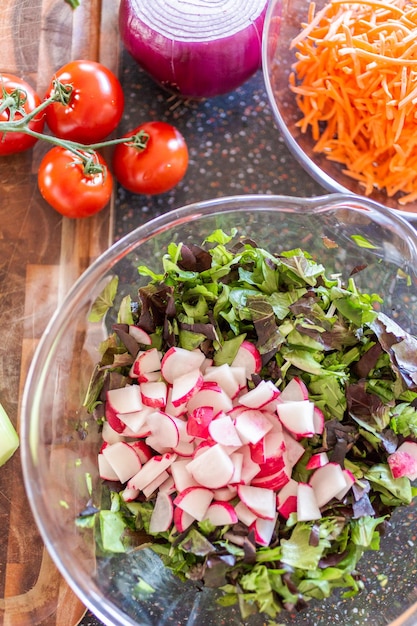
(196, 48)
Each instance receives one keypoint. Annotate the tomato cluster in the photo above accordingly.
(73, 177)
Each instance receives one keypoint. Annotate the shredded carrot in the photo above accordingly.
(355, 80)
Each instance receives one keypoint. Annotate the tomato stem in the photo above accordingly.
(14, 101)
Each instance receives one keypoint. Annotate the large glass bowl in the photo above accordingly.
(283, 21)
(60, 440)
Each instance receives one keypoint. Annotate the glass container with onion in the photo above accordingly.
(196, 49)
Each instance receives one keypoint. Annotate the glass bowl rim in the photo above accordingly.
(239, 203)
(307, 163)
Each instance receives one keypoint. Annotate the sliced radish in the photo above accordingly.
(297, 417)
(318, 420)
(407, 453)
(307, 505)
(145, 362)
(164, 431)
(186, 386)
(249, 468)
(175, 411)
(182, 519)
(154, 394)
(249, 357)
(263, 530)
(237, 459)
(195, 501)
(223, 431)
(179, 361)
(213, 468)
(239, 373)
(109, 434)
(295, 391)
(225, 494)
(199, 420)
(271, 446)
(105, 470)
(327, 482)
(350, 480)
(294, 450)
(264, 393)
(182, 478)
(274, 481)
(129, 495)
(136, 421)
(212, 395)
(317, 460)
(401, 463)
(140, 335)
(260, 501)
(168, 485)
(148, 472)
(244, 514)
(142, 449)
(221, 514)
(287, 498)
(162, 514)
(123, 459)
(224, 376)
(124, 399)
(252, 425)
(155, 484)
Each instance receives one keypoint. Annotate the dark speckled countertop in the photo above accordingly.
(234, 147)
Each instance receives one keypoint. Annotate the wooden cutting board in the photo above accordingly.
(41, 255)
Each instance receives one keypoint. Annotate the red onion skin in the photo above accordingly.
(198, 69)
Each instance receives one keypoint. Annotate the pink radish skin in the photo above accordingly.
(223, 376)
(140, 335)
(264, 393)
(195, 501)
(145, 362)
(307, 506)
(327, 482)
(154, 394)
(148, 472)
(261, 502)
(105, 470)
(263, 530)
(221, 514)
(252, 425)
(185, 387)
(223, 431)
(295, 391)
(178, 361)
(248, 356)
(182, 519)
(123, 460)
(213, 468)
(317, 460)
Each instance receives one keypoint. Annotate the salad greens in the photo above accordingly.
(360, 369)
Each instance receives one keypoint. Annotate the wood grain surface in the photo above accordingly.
(41, 255)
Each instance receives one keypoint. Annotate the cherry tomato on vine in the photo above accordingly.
(66, 186)
(95, 105)
(156, 168)
(26, 100)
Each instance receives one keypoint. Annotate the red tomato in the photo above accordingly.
(95, 105)
(156, 168)
(68, 189)
(17, 142)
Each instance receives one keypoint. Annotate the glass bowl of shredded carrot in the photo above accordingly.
(342, 81)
